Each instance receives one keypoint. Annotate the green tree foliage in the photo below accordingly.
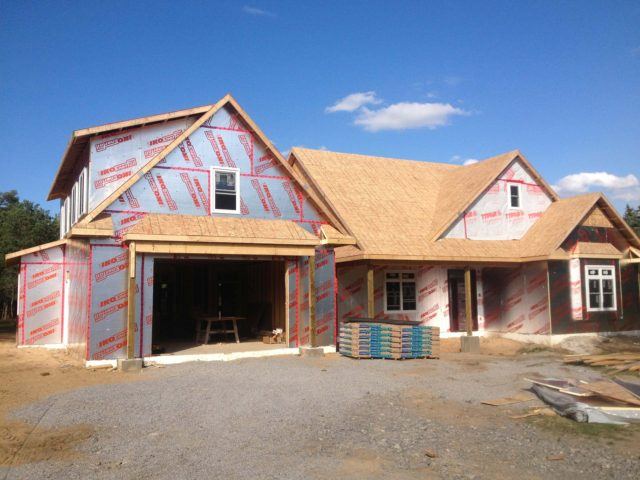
(23, 224)
(632, 217)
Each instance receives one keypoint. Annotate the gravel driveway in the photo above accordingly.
(332, 417)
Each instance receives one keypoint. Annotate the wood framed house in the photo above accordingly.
(171, 217)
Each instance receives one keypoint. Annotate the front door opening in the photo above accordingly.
(188, 294)
(457, 301)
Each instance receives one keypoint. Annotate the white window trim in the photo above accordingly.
(212, 192)
(519, 187)
(401, 310)
(63, 220)
(600, 277)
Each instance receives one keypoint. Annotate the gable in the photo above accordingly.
(180, 182)
(490, 217)
(597, 218)
(115, 157)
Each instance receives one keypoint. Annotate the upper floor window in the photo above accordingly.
(514, 196)
(400, 291)
(225, 190)
(601, 288)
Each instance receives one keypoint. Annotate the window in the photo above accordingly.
(74, 204)
(400, 292)
(83, 192)
(601, 288)
(514, 196)
(67, 215)
(63, 227)
(225, 190)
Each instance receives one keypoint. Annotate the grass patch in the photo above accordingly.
(597, 431)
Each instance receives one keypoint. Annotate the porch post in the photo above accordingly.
(131, 304)
(370, 309)
(469, 343)
(468, 301)
(312, 301)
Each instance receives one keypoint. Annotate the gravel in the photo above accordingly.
(289, 417)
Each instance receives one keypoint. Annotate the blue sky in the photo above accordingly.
(446, 82)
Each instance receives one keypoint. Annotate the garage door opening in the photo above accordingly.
(236, 302)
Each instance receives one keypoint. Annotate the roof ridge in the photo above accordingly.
(364, 156)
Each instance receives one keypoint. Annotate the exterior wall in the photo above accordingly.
(41, 297)
(432, 295)
(516, 299)
(491, 218)
(78, 294)
(180, 184)
(115, 157)
(566, 319)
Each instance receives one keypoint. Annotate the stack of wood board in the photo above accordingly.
(619, 362)
(385, 340)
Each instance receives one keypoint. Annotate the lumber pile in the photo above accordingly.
(618, 362)
(388, 340)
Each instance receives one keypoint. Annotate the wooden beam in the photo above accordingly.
(287, 300)
(312, 301)
(370, 300)
(145, 237)
(131, 305)
(141, 121)
(468, 301)
(224, 249)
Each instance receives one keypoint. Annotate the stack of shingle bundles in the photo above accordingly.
(362, 339)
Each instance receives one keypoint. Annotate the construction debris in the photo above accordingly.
(619, 362)
(364, 338)
(600, 401)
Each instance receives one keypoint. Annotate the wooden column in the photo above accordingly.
(131, 303)
(370, 302)
(468, 301)
(287, 293)
(312, 301)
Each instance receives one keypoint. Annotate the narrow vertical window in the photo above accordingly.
(514, 196)
(225, 188)
(400, 292)
(601, 288)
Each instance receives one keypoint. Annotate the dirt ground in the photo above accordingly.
(31, 374)
(428, 422)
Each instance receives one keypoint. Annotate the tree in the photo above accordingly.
(23, 224)
(632, 217)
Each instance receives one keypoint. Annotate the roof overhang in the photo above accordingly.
(14, 257)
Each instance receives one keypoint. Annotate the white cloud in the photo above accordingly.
(354, 101)
(464, 161)
(584, 181)
(258, 12)
(408, 115)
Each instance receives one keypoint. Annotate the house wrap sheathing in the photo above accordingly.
(354, 236)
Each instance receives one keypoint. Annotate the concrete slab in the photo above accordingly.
(311, 351)
(470, 344)
(130, 366)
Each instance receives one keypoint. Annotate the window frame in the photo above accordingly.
(600, 277)
(519, 187)
(400, 281)
(212, 192)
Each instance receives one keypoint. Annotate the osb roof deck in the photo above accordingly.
(397, 209)
(200, 229)
(388, 204)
